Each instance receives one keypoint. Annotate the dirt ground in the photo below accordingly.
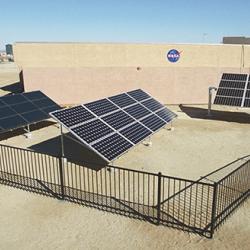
(196, 146)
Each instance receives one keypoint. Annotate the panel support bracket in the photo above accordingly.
(210, 94)
(28, 134)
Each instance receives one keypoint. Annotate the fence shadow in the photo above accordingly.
(194, 206)
(20, 131)
(74, 152)
(227, 116)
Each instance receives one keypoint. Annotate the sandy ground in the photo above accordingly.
(195, 147)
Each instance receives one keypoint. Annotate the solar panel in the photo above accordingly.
(92, 130)
(113, 125)
(234, 77)
(112, 146)
(153, 122)
(101, 107)
(138, 94)
(233, 90)
(118, 119)
(135, 132)
(152, 104)
(137, 111)
(23, 109)
(122, 100)
(166, 114)
(72, 116)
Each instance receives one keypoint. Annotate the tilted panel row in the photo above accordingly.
(112, 125)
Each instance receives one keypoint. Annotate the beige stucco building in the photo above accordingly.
(80, 72)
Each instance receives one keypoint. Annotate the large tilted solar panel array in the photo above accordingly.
(113, 125)
(233, 90)
(19, 110)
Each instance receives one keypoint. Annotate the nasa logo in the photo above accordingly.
(173, 55)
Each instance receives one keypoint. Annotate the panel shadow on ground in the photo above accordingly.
(21, 131)
(73, 151)
(219, 115)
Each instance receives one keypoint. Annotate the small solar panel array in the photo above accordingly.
(112, 125)
(233, 90)
(22, 109)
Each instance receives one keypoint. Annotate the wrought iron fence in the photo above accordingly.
(194, 206)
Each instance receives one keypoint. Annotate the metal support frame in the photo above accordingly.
(210, 94)
(28, 133)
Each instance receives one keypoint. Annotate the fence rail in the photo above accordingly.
(194, 206)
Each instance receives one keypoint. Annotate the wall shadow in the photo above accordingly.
(73, 151)
(20, 131)
(14, 88)
(227, 116)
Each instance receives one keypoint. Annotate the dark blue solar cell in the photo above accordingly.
(13, 99)
(137, 111)
(247, 94)
(234, 77)
(248, 85)
(229, 101)
(92, 131)
(135, 132)
(12, 122)
(118, 119)
(34, 95)
(24, 107)
(44, 103)
(2, 104)
(122, 100)
(35, 116)
(72, 116)
(138, 94)
(112, 146)
(153, 122)
(101, 107)
(6, 111)
(230, 92)
(152, 104)
(232, 84)
(166, 114)
(247, 103)
(51, 109)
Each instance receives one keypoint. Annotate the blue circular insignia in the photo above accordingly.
(173, 55)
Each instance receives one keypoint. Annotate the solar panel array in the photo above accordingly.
(233, 90)
(22, 109)
(113, 125)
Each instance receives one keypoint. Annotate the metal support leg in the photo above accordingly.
(210, 93)
(148, 142)
(27, 134)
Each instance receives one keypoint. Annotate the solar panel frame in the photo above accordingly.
(233, 90)
(117, 107)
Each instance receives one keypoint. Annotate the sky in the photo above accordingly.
(133, 21)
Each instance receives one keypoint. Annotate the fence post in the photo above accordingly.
(159, 198)
(213, 221)
(61, 177)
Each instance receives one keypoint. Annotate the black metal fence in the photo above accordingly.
(194, 206)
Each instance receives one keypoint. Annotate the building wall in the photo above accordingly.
(77, 72)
